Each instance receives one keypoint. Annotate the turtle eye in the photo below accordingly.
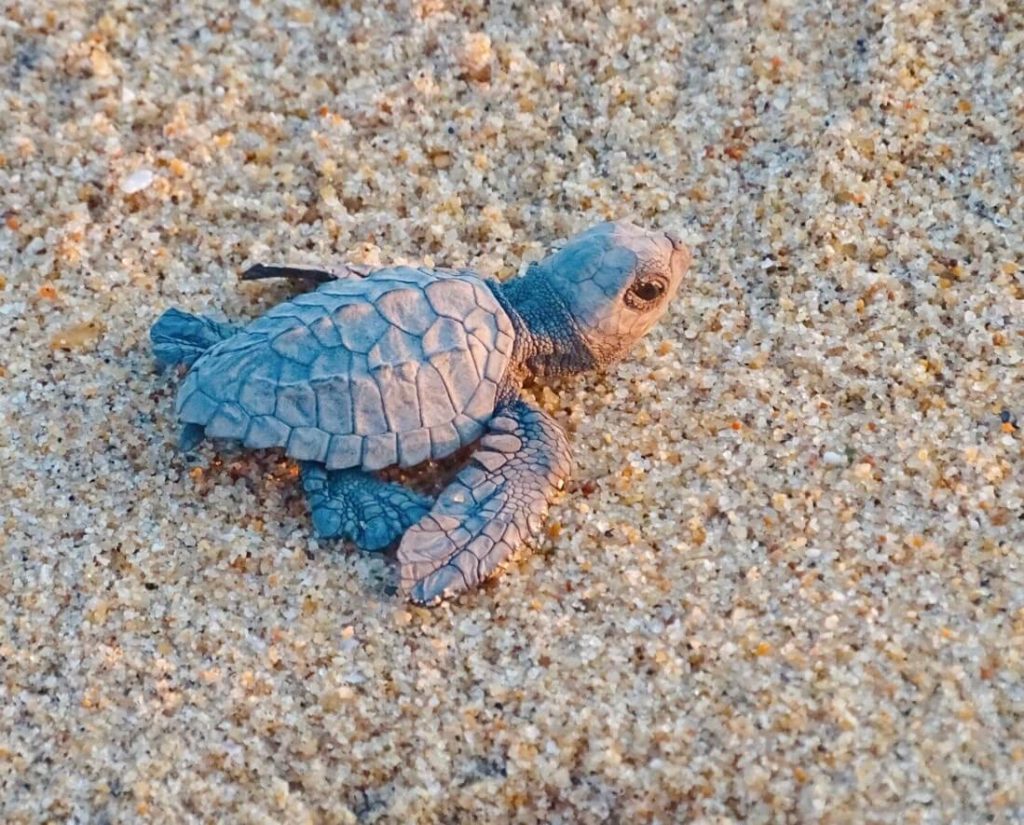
(644, 293)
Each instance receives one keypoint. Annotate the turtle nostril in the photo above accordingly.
(674, 240)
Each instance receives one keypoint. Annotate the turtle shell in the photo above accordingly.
(395, 368)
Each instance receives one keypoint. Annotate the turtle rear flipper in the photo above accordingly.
(180, 338)
(190, 437)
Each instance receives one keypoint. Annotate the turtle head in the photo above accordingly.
(616, 281)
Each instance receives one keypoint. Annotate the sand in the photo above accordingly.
(786, 583)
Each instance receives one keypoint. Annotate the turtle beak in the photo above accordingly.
(680, 255)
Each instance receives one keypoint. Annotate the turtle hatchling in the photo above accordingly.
(395, 366)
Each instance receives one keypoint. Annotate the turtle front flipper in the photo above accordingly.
(491, 507)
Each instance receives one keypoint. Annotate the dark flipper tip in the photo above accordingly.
(258, 272)
(191, 436)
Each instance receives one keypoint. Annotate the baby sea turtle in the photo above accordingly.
(395, 366)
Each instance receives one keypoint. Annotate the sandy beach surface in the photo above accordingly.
(786, 583)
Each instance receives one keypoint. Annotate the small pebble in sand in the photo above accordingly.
(137, 181)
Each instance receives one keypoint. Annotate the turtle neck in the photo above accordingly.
(548, 341)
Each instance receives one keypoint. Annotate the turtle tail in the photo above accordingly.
(180, 338)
